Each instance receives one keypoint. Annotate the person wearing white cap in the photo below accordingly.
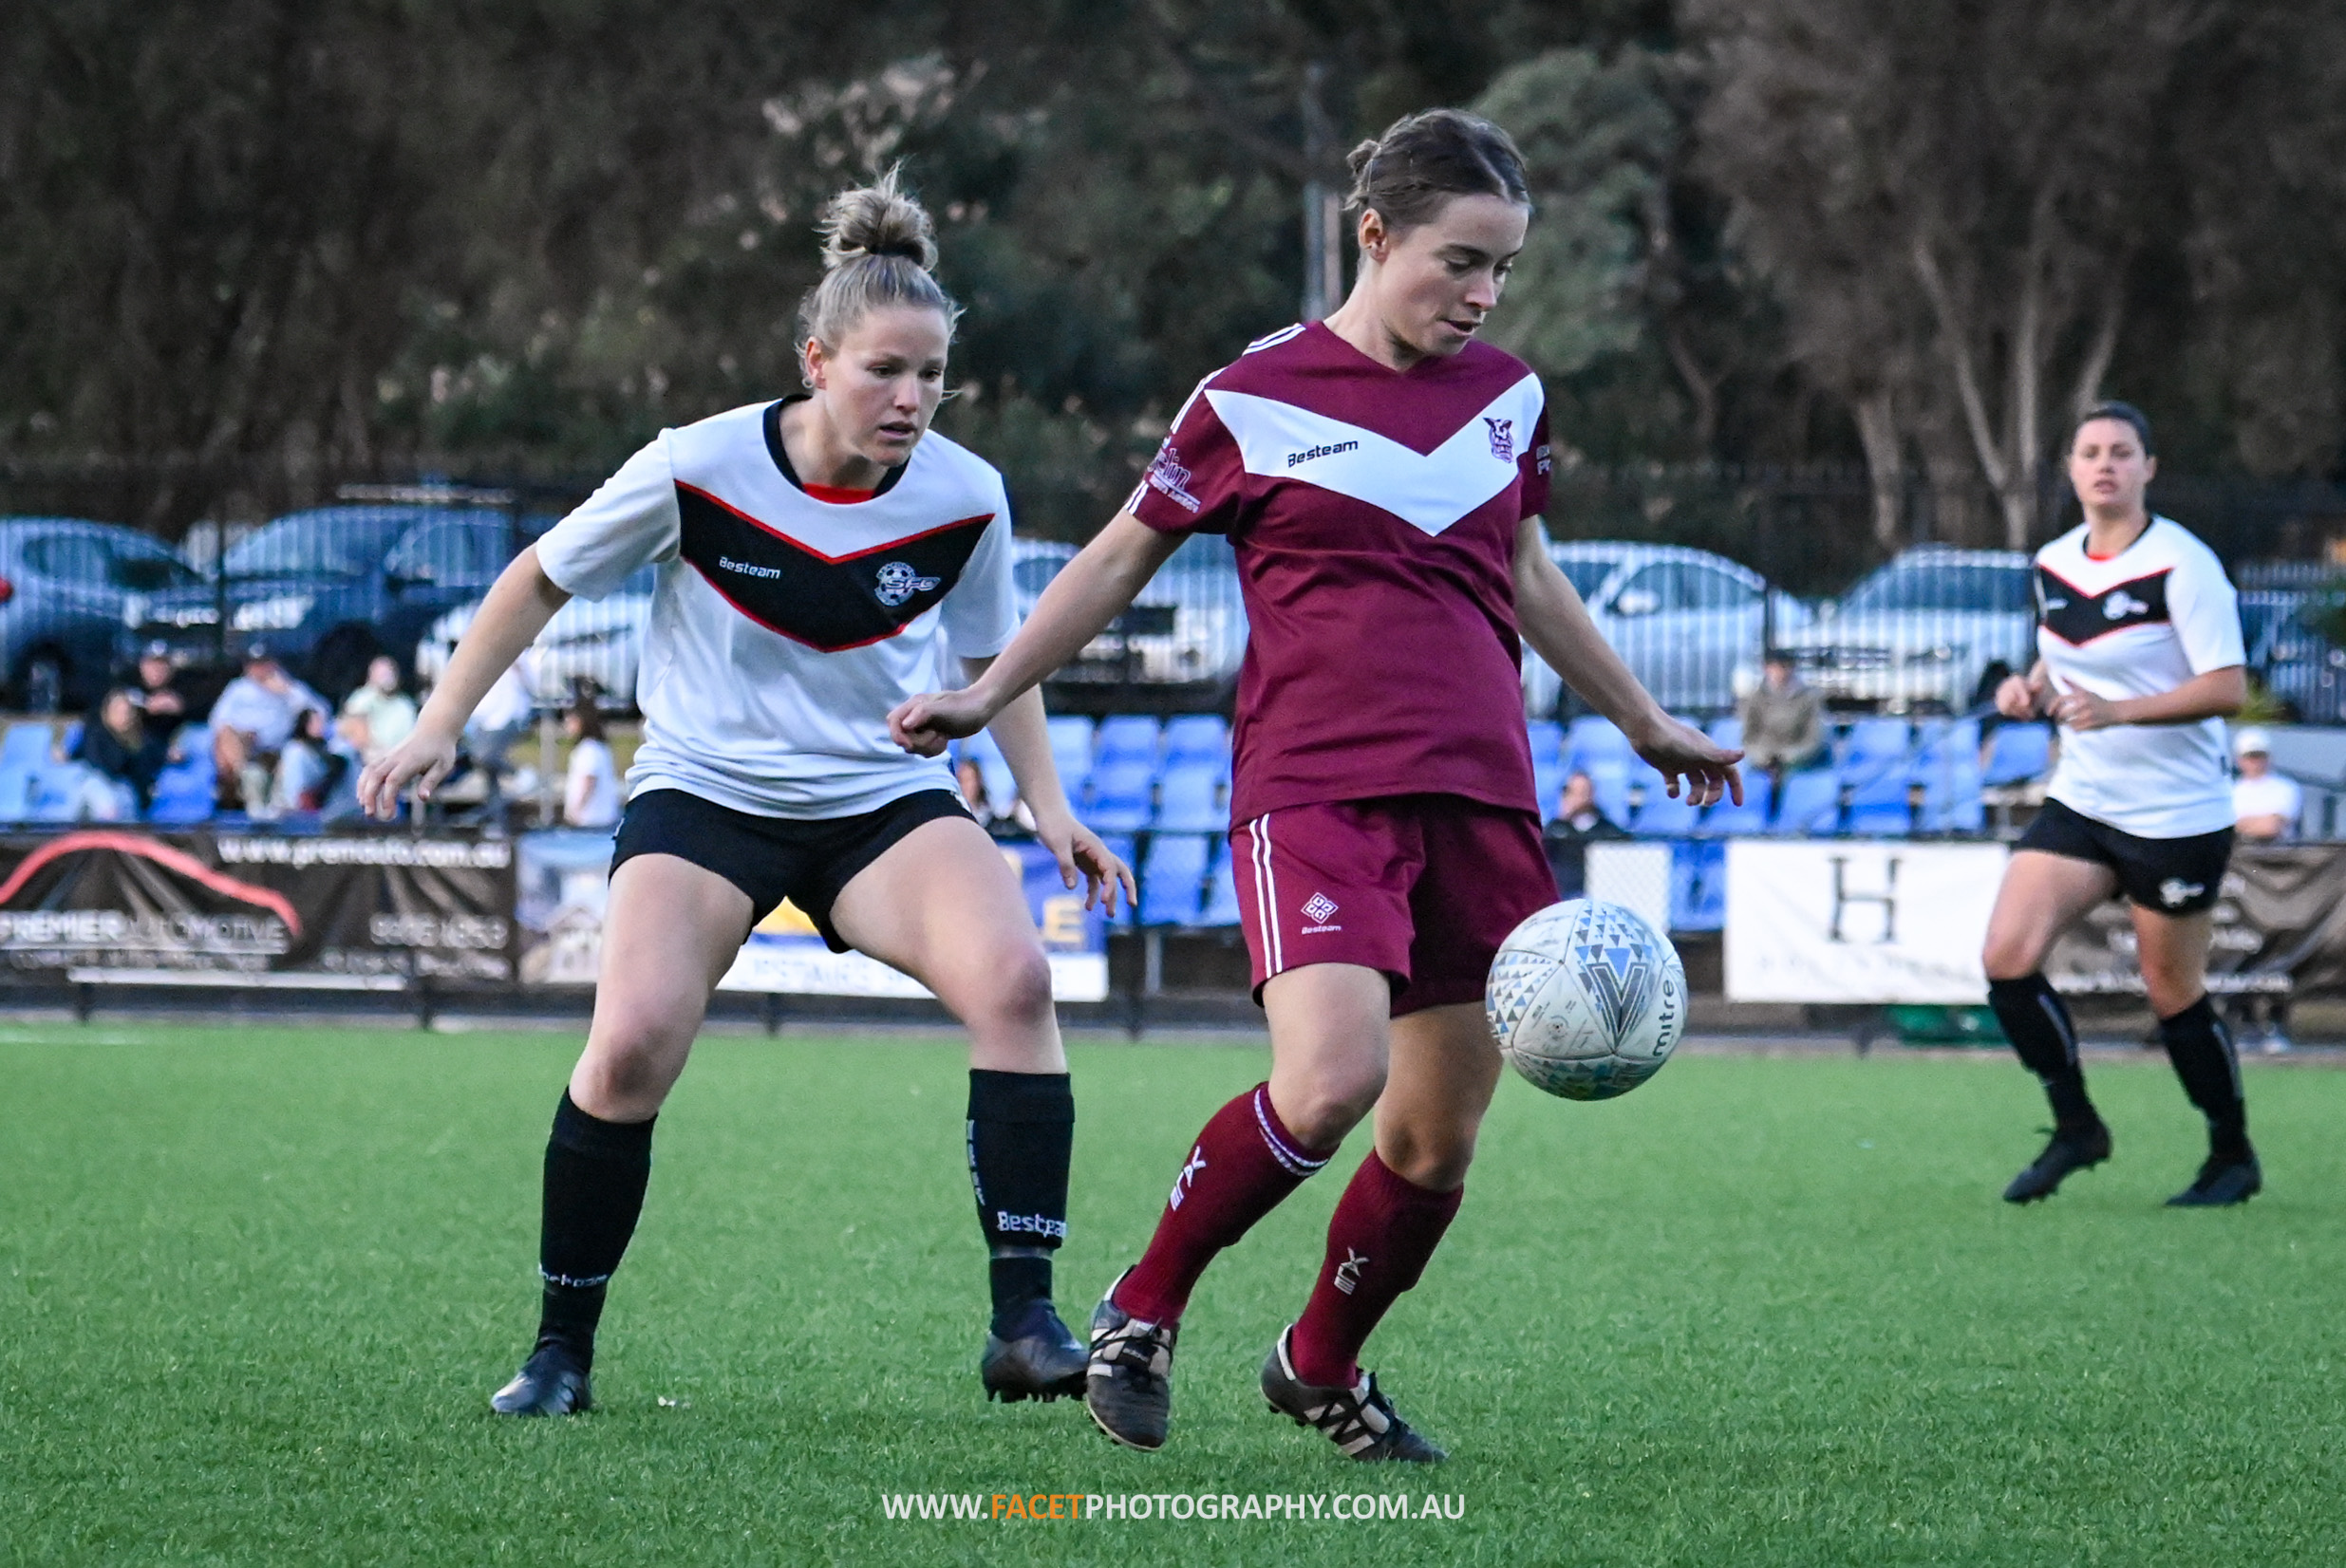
(2265, 805)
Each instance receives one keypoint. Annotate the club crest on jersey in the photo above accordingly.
(2121, 603)
(1502, 439)
(898, 582)
(1166, 473)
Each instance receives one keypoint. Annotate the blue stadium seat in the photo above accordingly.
(2017, 752)
(26, 745)
(1192, 736)
(1874, 740)
(1727, 729)
(1878, 782)
(1188, 799)
(1662, 818)
(1128, 737)
(1119, 796)
(1173, 876)
(1698, 887)
(1945, 738)
(1592, 739)
(1729, 820)
(1547, 737)
(1071, 752)
(1952, 804)
(1221, 890)
(1001, 784)
(19, 785)
(1809, 802)
(1610, 779)
(1881, 820)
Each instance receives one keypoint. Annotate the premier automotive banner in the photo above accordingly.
(564, 882)
(373, 912)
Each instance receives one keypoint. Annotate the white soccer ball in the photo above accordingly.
(1587, 1000)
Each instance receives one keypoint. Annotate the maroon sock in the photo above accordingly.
(1381, 1234)
(1243, 1166)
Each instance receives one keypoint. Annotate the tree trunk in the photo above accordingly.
(1877, 432)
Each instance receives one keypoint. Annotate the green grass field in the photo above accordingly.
(256, 1285)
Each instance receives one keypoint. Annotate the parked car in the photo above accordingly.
(331, 587)
(2289, 650)
(1186, 629)
(62, 583)
(1684, 621)
(599, 640)
(1919, 631)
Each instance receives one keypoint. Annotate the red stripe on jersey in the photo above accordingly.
(837, 494)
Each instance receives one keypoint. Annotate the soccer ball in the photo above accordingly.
(1587, 1000)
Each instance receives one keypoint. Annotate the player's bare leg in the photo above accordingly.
(1444, 1067)
(669, 933)
(2174, 954)
(2042, 896)
(943, 907)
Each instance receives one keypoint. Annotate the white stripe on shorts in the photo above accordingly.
(1266, 897)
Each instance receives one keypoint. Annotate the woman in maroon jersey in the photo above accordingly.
(1380, 476)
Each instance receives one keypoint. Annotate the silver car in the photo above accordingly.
(1687, 622)
(600, 640)
(1186, 629)
(1918, 633)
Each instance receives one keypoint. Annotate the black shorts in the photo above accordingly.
(2175, 876)
(806, 860)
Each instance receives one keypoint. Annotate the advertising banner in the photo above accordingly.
(123, 905)
(2281, 928)
(564, 884)
(1858, 920)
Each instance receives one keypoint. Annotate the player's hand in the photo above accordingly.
(1079, 849)
(2017, 697)
(422, 759)
(2082, 710)
(923, 724)
(1691, 763)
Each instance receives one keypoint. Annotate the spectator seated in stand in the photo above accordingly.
(378, 716)
(162, 706)
(310, 767)
(1578, 823)
(251, 724)
(1783, 720)
(590, 792)
(2266, 805)
(122, 752)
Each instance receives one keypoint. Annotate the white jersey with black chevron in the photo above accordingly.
(783, 627)
(2137, 623)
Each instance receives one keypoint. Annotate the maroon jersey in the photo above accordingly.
(1372, 512)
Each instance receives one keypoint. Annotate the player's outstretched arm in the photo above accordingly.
(1023, 733)
(521, 601)
(1556, 623)
(1089, 591)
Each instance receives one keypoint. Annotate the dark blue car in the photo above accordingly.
(330, 588)
(63, 585)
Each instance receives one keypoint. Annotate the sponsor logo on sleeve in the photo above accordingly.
(1167, 475)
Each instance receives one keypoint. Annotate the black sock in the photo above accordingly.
(2200, 1048)
(1022, 1131)
(2037, 1022)
(595, 1175)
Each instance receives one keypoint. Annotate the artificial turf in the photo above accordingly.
(256, 1285)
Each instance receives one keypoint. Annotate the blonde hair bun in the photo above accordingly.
(878, 219)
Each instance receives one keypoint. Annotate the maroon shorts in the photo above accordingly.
(1424, 887)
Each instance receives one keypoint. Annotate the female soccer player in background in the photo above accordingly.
(1381, 475)
(813, 555)
(2139, 661)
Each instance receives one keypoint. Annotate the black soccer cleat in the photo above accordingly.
(551, 1382)
(2072, 1149)
(1360, 1420)
(1128, 1385)
(2224, 1180)
(1042, 1360)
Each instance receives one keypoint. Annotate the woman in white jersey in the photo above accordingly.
(815, 556)
(2139, 661)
